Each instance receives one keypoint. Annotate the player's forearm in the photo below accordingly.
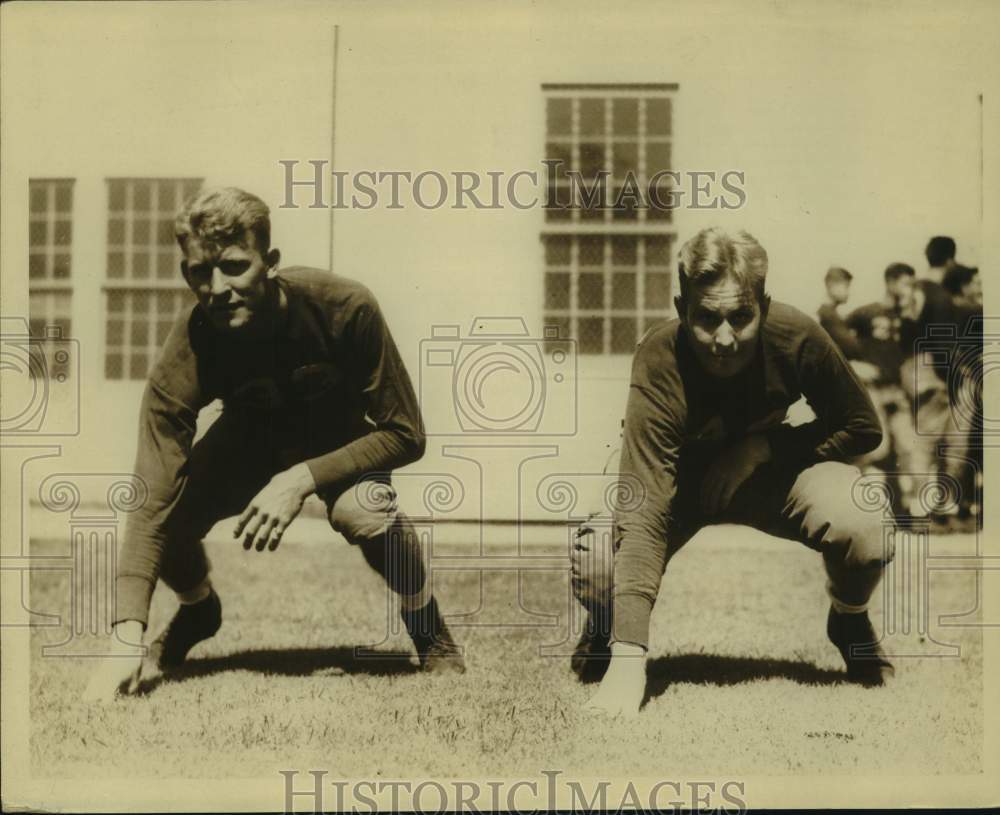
(378, 452)
(813, 441)
(639, 564)
(861, 435)
(166, 430)
(138, 570)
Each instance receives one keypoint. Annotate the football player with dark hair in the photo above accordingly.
(838, 290)
(705, 442)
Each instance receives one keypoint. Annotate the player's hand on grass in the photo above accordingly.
(623, 686)
(272, 509)
(730, 469)
(119, 672)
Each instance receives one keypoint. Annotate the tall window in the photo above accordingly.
(608, 233)
(144, 286)
(50, 290)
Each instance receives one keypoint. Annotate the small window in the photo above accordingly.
(144, 290)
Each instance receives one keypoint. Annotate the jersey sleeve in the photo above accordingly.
(390, 405)
(166, 431)
(846, 424)
(168, 416)
(651, 444)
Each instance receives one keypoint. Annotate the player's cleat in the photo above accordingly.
(436, 650)
(591, 656)
(441, 656)
(190, 625)
(867, 663)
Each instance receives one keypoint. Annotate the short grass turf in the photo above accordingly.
(741, 678)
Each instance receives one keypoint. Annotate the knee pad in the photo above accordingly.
(870, 542)
(364, 511)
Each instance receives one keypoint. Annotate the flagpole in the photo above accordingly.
(333, 129)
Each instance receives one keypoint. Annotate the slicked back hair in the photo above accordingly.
(837, 274)
(894, 271)
(224, 215)
(940, 249)
(715, 254)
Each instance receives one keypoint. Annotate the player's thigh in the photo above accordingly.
(225, 469)
(824, 511)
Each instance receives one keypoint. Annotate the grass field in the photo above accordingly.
(741, 679)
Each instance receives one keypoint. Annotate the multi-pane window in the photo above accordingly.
(608, 154)
(608, 237)
(50, 291)
(144, 286)
(605, 290)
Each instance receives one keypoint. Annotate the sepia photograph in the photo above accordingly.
(499, 407)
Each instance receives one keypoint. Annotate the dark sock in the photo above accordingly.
(397, 556)
(424, 625)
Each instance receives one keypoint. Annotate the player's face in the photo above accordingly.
(229, 280)
(839, 291)
(723, 322)
(901, 289)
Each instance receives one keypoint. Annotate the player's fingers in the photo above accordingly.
(247, 514)
(250, 531)
(264, 533)
(131, 685)
(275, 539)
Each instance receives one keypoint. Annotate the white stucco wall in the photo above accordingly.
(858, 143)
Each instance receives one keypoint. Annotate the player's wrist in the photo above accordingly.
(303, 480)
(126, 637)
(627, 650)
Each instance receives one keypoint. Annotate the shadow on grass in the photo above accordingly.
(290, 662)
(717, 669)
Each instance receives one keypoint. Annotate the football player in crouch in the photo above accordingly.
(315, 400)
(705, 441)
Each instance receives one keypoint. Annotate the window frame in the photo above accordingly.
(126, 285)
(575, 226)
(49, 293)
